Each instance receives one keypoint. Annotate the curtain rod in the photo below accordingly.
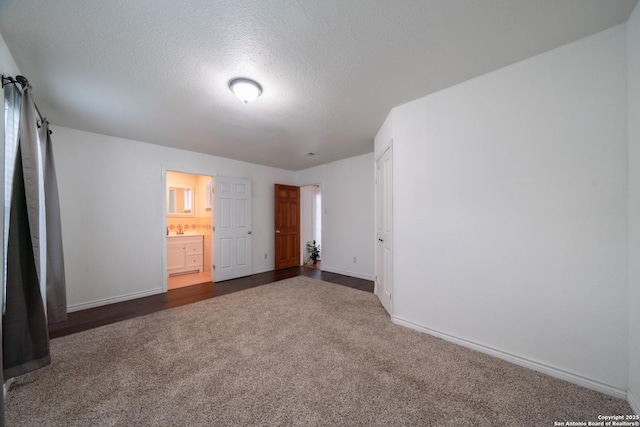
(24, 82)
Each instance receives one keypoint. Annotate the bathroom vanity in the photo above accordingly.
(184, 254)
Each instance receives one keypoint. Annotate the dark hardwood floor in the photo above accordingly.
(99, 316)
(316, 266)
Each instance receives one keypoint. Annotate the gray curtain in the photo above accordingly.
(56, 284)
(25, 338)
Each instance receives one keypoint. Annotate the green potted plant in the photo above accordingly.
(314, 251)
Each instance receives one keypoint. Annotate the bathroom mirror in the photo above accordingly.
(180, 201)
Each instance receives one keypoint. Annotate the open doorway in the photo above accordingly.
(310, 223)
(189, 229)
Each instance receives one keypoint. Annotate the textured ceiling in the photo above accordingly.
(157, 70)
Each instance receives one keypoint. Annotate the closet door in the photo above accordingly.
(384, 235)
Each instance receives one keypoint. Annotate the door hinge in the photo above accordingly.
(214, 228)
(213, 266)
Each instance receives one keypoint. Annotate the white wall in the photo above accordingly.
(633, 98)
(8, 66)
(112, 213)
(347, 214)
(510, 212)
(384, 136)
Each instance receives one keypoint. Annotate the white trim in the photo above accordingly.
(519, 360)
(163, 210)
(633, 402)
(347, 273)
(112, 300)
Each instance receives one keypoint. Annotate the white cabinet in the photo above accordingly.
(184, 254)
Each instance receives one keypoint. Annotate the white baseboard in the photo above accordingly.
(633, 402)
(347, 273)
(111, 300)
(521, 361)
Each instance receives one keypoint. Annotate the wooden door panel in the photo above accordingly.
(287, 226)
(241, 256)
(224, 249)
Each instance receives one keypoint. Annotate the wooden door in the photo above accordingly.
(287, 226)
(384, 220)
(232, 231)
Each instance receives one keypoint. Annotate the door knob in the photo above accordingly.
(277, 231)
(249, 232)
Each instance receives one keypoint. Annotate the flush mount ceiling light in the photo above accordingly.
(246, 90)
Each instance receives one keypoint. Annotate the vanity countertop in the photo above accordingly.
(186, 234)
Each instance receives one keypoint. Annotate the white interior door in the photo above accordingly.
(384, 236)
(232, 228)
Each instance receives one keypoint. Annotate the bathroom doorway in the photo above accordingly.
(310, 222)
(189, 215)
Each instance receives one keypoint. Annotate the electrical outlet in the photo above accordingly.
(355, 259)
